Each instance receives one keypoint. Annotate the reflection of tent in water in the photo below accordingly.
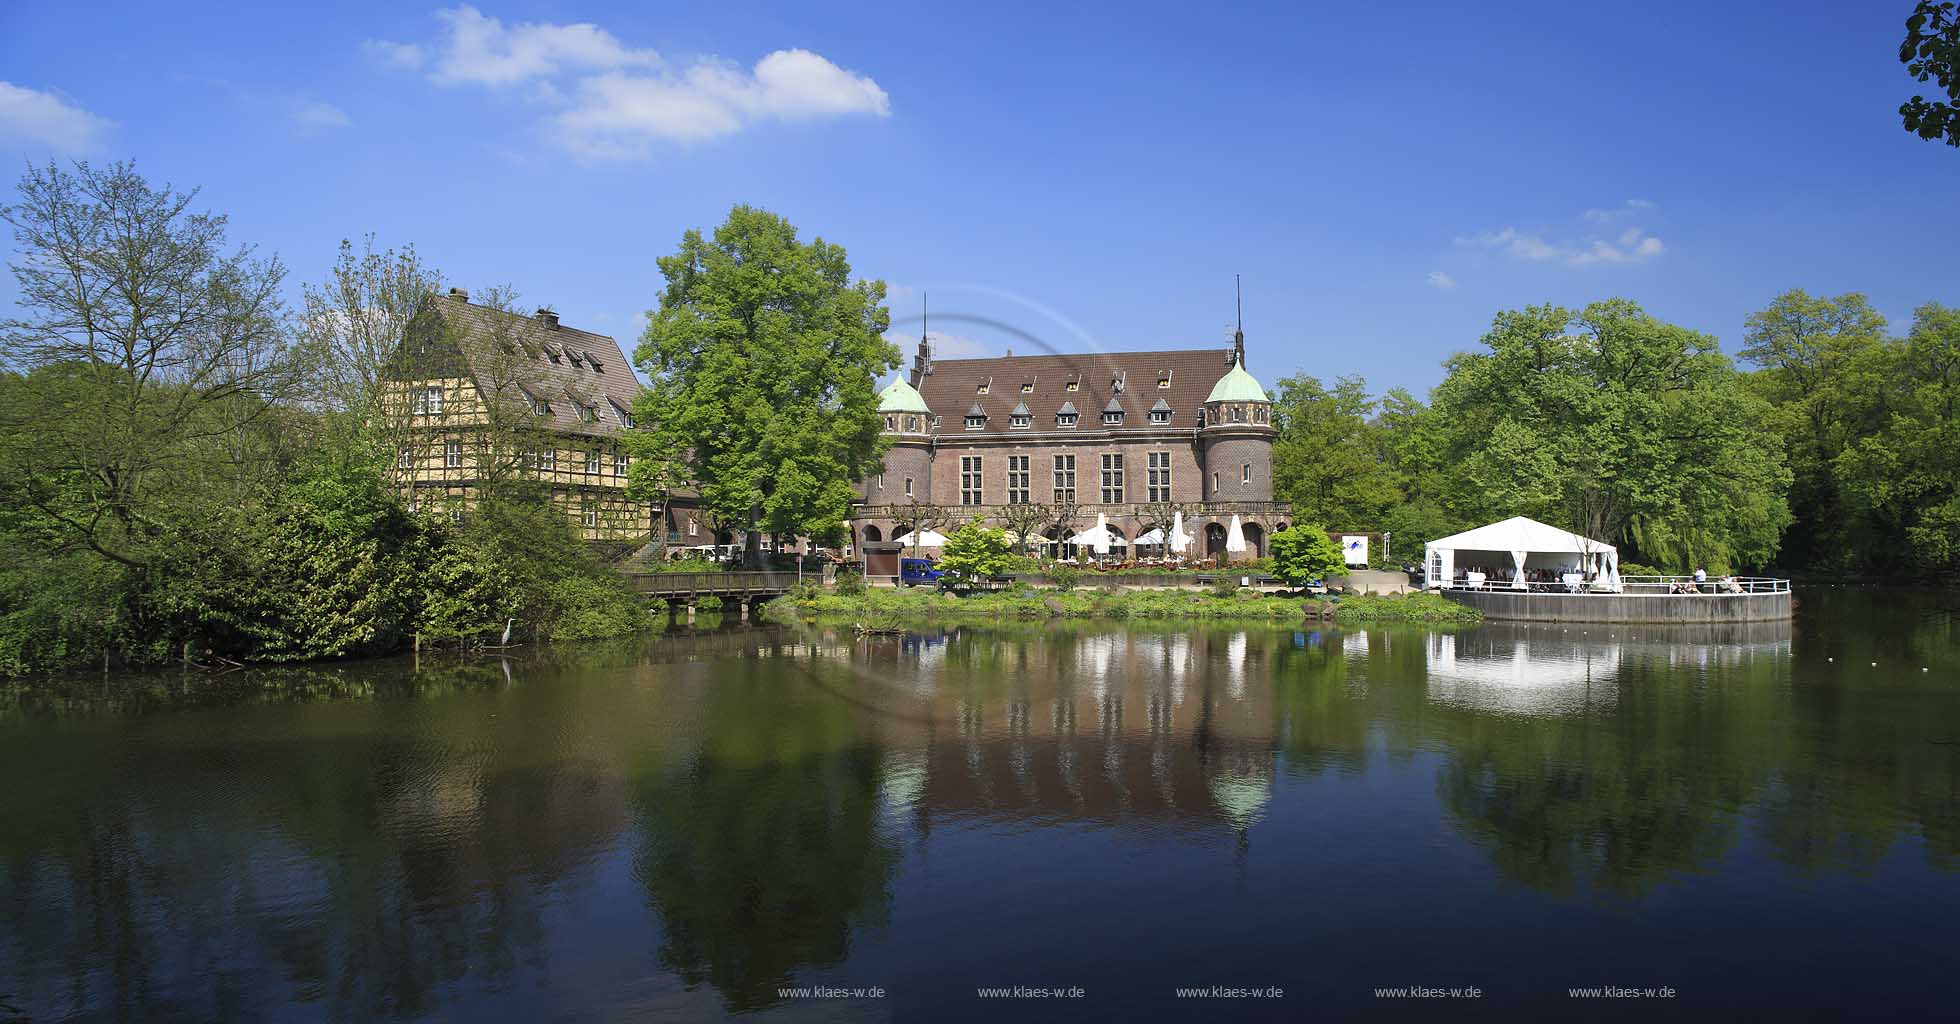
(1551, 668)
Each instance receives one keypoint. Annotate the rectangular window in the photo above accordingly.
(589, 513)
(621, 462)
(452, 454)
(429, 402)
(1159, 476)
(1160, 415)
(1020, 420)
(970, 476)
(1064, 478)
(1214, 483)
(908, 486)
(1065, 419)
(407, 460)
(548, 459)
(881, 481)
(592, 462)
(1245, 473)
(1112, 478)
(1017, 480)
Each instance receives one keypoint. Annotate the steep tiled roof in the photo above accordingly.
(955, 384)
(581, 377)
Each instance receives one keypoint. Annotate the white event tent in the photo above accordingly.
(1518, 544)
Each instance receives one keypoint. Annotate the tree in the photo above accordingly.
(1617, 426)
(1931, 52)
(154, 357)
(1900, 480)
(1026, 520)
(762, 359)
(975, 552)
(1327, 461)
(1824, 371)
(1160, 516)
(915, 517)
(1304, 553)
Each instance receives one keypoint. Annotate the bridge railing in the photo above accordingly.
(719, 583)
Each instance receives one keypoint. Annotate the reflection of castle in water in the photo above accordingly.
(1552, 668)
(1101, 728)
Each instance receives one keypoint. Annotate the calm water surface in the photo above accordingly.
(1756, 817)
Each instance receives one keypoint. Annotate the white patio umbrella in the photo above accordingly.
(1178, 540)
(1152, 539)
(926, 539)
(1235, 537)
(1095, 538)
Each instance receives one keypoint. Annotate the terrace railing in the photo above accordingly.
(1637, 586)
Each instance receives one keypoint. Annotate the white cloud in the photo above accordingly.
(45, 120)
(619, 102)
(401, 56)
(320, 115)
(481, 50)
(1631, 245)
(1441, 281)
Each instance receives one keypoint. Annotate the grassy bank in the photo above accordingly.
(882, 606)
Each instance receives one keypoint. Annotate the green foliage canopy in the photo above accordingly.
(1931, 53)
(763, 358)
(1304, 553)
(976, 552)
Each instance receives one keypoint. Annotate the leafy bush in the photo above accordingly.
(1304, 553)
(850, 583)
(1064, 576)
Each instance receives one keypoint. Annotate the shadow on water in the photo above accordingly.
(687, 825)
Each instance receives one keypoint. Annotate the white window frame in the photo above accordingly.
(452, 455)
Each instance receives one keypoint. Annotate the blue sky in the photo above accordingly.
(1055, 179)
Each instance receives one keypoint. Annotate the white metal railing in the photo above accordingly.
(1637, 586)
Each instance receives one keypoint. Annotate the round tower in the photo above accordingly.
(1236, 438)
(907, 474)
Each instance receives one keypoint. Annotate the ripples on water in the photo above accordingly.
(1753, 815)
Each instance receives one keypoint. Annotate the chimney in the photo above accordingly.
(548, 318)
(458, 293)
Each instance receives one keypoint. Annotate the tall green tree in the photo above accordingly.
(1931, 53)
(1617, 425)
(762, 359)
(1328, 461)
(1901, 479)
(1824, 370)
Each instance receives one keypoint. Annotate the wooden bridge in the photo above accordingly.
(686, 589)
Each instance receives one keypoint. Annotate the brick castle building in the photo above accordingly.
(1107, 432)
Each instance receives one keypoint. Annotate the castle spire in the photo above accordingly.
(922, 361)
(1238, 336)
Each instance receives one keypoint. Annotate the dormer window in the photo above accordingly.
(625, 415)
(1066, 416)
(976, 418)
(551, 353)
(1164, 381)
(1160, 413)
(597, 366)
(1116, 383)
(984, 386)
(1074, 385)
(1027, 387)
(1112, 413)
(577, 357)
(1020, 418)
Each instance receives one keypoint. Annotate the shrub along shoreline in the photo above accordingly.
(882, 606)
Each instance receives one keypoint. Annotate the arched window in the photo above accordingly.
(872, 535)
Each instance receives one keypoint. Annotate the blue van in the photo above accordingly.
(913, 572)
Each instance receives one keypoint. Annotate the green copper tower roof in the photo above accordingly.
(899, 396)
(1237, 386)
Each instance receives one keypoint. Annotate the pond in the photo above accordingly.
(796, 823)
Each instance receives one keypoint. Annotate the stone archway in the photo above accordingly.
(1214, 541)
(872, 536)
(1255, 540)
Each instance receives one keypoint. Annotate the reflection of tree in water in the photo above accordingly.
(761, 847)
(228, 865)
